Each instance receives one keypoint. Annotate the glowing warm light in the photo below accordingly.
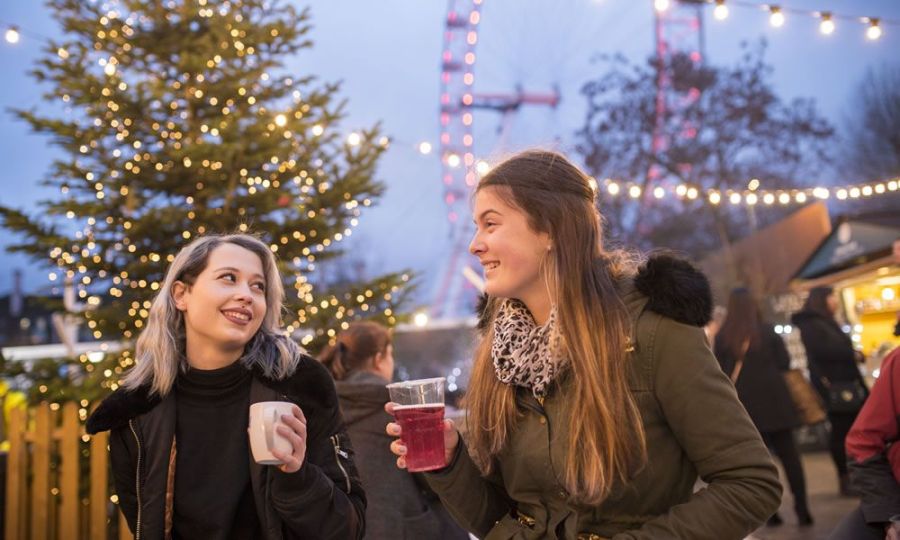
(482, 167)
(12, 35)
(64, 54)
(317, 130)
(888, 294)
(714, 197)
(661, 5)
(634, 192)
(280, 120)
(784, 198)
(826, 27)
(453, 160)
(613, 188)
(420, 319)
(735, 198)
(873, 32)
(752, 199)
(354, 139)
(753, 185)
(109, 69)
(842, 194)
(768, 198)
(721, 10)
(692, 193)
(800, 197)
(425, 148)
(776, 17)
(659, 193)
(821, 193)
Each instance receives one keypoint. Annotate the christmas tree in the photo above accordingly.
(181, 120)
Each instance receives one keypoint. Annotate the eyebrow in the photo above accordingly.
(233, 269)
(488, 211)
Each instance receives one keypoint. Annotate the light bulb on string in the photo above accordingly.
(873, 32)
(12, 35)
(776, 16)
(424, 148)
(826, 27)
(720, 12)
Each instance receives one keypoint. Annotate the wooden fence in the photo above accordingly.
(57, 485)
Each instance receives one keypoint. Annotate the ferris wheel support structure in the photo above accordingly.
(455, 295)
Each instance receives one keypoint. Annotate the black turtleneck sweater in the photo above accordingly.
(213, 494)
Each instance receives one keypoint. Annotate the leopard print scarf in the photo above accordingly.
(524, 353)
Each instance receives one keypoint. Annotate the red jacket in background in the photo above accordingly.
(873, 453)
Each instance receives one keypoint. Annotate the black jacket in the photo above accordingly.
(829, 351)
(400, 504)
(760, 384)
(323, 500)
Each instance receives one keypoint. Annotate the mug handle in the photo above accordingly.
(269, 419)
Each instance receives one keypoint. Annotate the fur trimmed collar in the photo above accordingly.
(310, 384)
(672, 287)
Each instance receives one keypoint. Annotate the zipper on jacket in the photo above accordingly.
(338, 454)
(137, 481)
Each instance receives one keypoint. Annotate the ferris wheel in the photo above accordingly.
(511, 73)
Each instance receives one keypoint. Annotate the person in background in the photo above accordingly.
(832, 360)
(594, 401)
(400, 504)
(179, 446)
(874, 461)
(755, 358)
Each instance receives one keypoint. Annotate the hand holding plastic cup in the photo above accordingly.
(419, 410)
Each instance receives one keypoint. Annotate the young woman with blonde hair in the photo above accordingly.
(594, 402)
(212, 346)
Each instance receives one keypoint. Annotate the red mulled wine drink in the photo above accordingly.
(419, 410)
(423, 435)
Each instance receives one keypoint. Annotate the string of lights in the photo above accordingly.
(778, 16)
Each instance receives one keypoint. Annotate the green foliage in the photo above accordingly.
(182, 120)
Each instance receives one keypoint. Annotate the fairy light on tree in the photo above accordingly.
(185, 122)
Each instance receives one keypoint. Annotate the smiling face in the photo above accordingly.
(224, 307)
(509, 250)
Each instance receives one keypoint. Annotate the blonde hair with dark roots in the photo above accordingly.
(606, 443)
(160, 348)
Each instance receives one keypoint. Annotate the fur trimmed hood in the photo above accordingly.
(672, 287)
(310, 386)
(676, 289)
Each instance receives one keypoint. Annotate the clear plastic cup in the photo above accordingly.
(420, 412)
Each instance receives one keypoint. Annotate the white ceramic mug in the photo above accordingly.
(265, 416)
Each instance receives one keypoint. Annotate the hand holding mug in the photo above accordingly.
(278, 434)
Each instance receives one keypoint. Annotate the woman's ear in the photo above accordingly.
(179, 292)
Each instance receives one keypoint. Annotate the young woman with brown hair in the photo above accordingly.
(594, 401)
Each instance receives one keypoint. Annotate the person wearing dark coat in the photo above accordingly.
(832, 359)
(400, 504)
(179, 446)
(755, 358)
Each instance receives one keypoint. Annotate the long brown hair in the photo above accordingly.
(354, 348)
(817, 301)
(606, 443)
(741, 325)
